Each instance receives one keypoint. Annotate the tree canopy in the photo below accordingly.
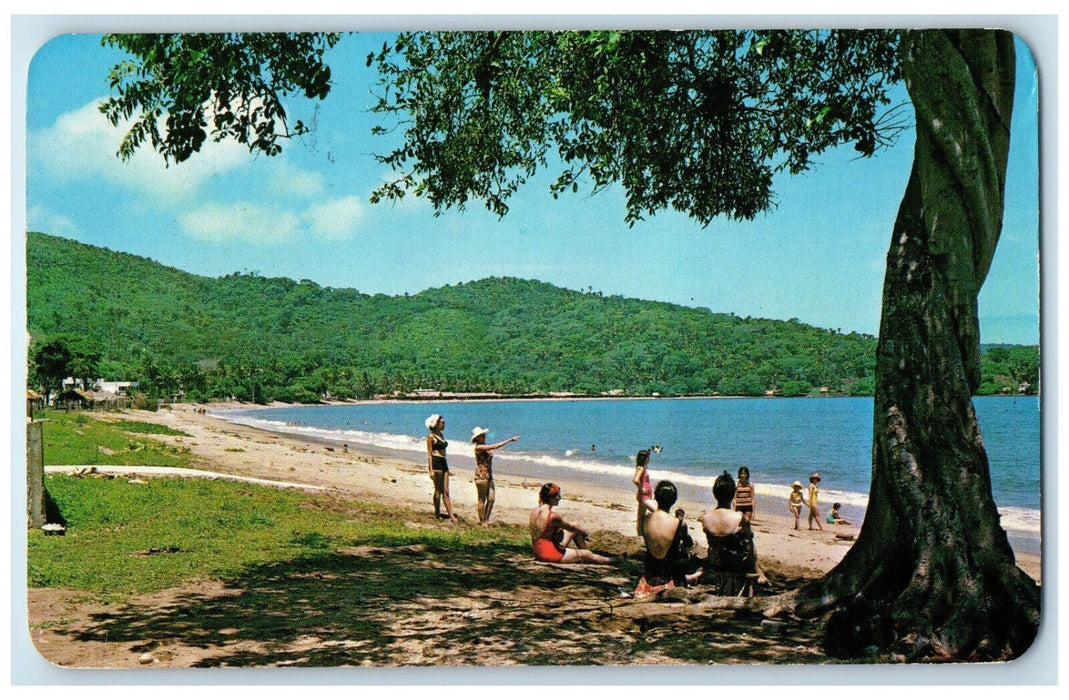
(181, 89)
(698, 121)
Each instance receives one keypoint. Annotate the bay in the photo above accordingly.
(779, 440)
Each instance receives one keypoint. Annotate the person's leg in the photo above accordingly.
(436, 477)
(445, 497)
(490, 493)
(481, 488)
(575, 540)
(576, 556)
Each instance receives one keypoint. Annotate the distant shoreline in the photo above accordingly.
(454, 398)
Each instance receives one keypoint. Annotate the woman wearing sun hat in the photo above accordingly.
(484, 472)
(814, 509)
(437, 466)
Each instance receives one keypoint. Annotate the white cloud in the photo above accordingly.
(240, 221)
(336, 219)
(287, 180)
(252, 222)
(40, 219)
(82, 146)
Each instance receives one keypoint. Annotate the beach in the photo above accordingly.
(546, 614)
(398, 479)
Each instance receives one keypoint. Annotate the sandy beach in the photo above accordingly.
(580, 608)
(399, 479)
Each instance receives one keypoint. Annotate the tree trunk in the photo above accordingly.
(932, 575)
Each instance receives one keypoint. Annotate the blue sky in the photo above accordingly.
(818, 257)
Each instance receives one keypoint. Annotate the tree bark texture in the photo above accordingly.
(932, 575)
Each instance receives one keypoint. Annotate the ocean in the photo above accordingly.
(778, 440)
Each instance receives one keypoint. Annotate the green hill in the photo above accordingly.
(260, 339)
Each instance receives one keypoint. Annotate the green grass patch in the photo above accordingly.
(137, 426)
(125, 538)
(81, 438)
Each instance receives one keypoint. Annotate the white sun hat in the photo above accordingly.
(432, 420)
(477, 431)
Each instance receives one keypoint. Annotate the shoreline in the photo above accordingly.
(544, 463)
(397, 478)
(447, 397)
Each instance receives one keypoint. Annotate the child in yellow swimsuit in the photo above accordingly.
(794, 502)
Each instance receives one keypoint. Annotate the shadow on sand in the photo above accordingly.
(420, 604)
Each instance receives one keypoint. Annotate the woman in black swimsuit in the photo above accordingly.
(437, 466)
(731, 563)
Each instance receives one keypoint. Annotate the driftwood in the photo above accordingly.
(695, 602)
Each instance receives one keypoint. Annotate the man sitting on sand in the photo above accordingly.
(551, 534)
(668, 561)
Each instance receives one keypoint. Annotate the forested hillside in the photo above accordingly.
(262, 339)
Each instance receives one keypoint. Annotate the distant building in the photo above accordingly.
(113, 388)
(117, 388)
(34, 402)
(74, 397)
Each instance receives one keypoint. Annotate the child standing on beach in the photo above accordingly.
(744, 495)
(814, 509)
(794, 502)
(641, 480)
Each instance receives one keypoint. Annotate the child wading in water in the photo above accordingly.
(794, 502)
(814, 509)
(644, 492)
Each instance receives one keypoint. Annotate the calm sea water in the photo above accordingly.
(779, 440)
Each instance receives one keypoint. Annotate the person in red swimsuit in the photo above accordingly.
(641, 479)
(551, 534)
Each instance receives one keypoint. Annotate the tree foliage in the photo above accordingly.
(181, 89)
(698, 121)
(64, 354)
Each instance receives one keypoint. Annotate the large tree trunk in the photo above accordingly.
(932, 575)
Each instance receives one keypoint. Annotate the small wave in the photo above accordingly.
(1027, 521)
(390, 441)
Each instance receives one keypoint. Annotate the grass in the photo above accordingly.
(81, 438)
(137, 426)
(128, 538)
(125, 537)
